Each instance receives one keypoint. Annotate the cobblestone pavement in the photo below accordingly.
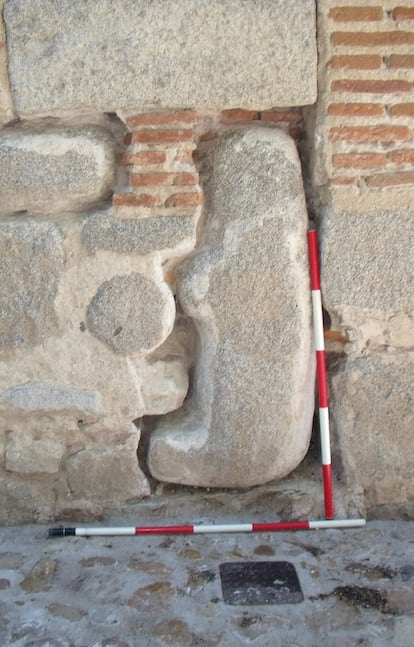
(358, 587)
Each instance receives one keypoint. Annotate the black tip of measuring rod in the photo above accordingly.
(61, 532)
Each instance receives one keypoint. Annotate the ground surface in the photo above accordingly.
(358, 585)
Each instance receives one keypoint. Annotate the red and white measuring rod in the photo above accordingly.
(207, 529)
(321, 373)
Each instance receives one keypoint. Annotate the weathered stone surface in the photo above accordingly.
(249, 418)
(31, 263)
(373, 416)
(366, 261)
(165, 386)
(41, 576)
(6, 105)
(24, 499)
(55, 170)
(31, 455)
(51, 398)
(138, 236)
(107, 475)
(109, 55)
(131, 313)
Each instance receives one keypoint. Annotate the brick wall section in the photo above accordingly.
(162, 150)
(370, 93)
(158, 158)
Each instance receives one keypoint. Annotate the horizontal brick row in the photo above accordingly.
(377, 181)
(372, 160)
(156, 119)
(355, 14)
(371, 86)
(181, 200)
(163, 137)
(369, 13)
(371, 61)
(376, 134)
(163, 179)
(372, 39)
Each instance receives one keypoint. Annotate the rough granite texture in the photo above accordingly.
(31, 264)
(249, 417)
(59, 169)
(366, 261)
(48, 397)
(138, 236)
(131, 314)
(115, 475)
(131, 53)
(373, 414)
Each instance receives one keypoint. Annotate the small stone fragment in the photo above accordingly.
(112, 476)
(165, 386)
(173, 632)
(41, 576)
(159, 594)
(65, 611)
(101, 560)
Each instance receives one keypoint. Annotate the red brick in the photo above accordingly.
(403, 13)
(399, 61)
(164, 179)
(371, 86)
(186, 179)
(402, 110)
(359, 160)
(184, 200)
(238, 114)
(132, 200)
(145, 157)
(351, 14)
(277, 116)
(372, 39)
(357, 62)
(402, 157)
(152, 179)
(162, 119)
(344, 180)
(356, 109)
(162, 136)
(370, 134)
(390, 179)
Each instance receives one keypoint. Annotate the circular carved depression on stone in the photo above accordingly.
(128, 313)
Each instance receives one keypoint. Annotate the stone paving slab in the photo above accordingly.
(358, 588)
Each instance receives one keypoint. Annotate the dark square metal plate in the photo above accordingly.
(260, 583)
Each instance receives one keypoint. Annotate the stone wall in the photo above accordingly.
(363, 200)
(153, 246)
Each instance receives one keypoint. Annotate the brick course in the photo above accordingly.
(368, 53)
(353, 14)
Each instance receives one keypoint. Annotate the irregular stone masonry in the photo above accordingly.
(161, 152)
(369, 93)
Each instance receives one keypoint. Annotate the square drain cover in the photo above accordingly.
(260, 583)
